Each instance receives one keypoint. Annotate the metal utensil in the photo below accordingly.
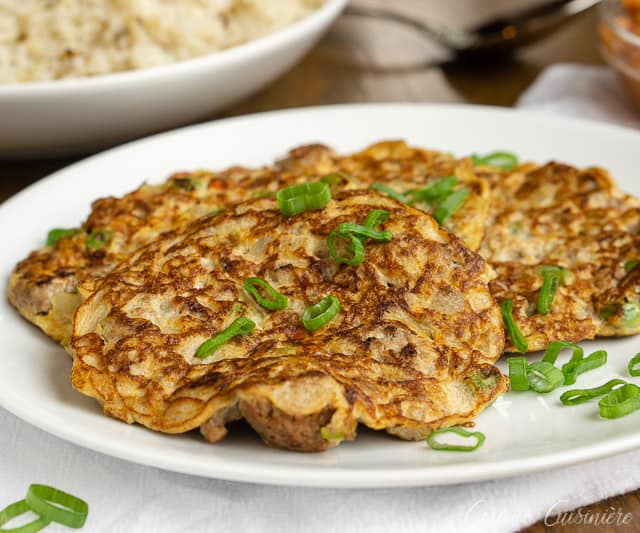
(499, 36)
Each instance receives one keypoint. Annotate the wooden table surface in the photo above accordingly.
(364, 61)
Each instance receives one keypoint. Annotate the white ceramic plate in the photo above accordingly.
(76, 115)
(525, 431)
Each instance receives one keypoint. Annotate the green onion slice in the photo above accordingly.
(620, 402)
(60, 233)
(501, 160)
(365, 231)
(299, 198)
(57, 506)
(98, 239)
(554, 349)
(578, 396)
(240, 326)
(551, 277)
(355, 247)
(544, 377)
(451, 204)
(186, 184)
(317, 315)
(392, 193)
(573, 369)
(375, 217)
(17, 509)
(516, 336)
(435, 445)
(518, 373)
(635, 361)
(630, 265)
(434, 191)
(336, 178)
(273, 300)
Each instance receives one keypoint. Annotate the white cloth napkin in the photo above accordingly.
(125, 497)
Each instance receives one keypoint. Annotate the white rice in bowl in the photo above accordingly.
(54, 39)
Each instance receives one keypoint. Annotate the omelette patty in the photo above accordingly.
(558, 215)
(411, 350)
(48, 285)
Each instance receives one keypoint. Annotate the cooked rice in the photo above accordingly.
(53, 39)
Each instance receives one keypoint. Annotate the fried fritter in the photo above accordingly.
(411, 350)
(557, 215)
(48, 285)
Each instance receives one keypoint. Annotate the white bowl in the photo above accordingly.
(77, 115)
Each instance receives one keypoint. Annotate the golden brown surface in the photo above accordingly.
(43, 287)
(412, 349)
(577, 219)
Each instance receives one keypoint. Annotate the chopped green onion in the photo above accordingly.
(60, 233)
(551, 277)
(501, 160)
(356, 248)
(389, 192)
(554, 349)
(573, 369)
(57, 506)
(336, 436)
(635, 361)
(451, 204)
(435, 445)
(274, 299)
(317, 315)
(434, 191)
(306, 196)
(629, 311)
(98, 239)
(630, 265)
(518, 373)
(215, 212)
(516, 336)
(17, 509)
(336, 178)
(578, 396)
(364, 232)
(240, 326)
(544, 377)
(620, 402)
(375, 217)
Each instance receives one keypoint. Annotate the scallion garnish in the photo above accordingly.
(578, 396)
(451, 203)
(434, 191)
(435, 445)
(516, 336)
(273, 300)
(57, 506)
(60, 233)
(630, 265)
(544, 377)
(240, 326)
(317, 315)
(554, 349)
(501, 160)
(518, 373)
(573, 369)
(306, 196)
(97, 239)
(366, 232)
(375, 217)
(389, 192)
(17, 509)
(635, 361)
(355, 247)
(336, 178)
(620, 402)
(551, 277)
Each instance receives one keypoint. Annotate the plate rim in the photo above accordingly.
(327, 476)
